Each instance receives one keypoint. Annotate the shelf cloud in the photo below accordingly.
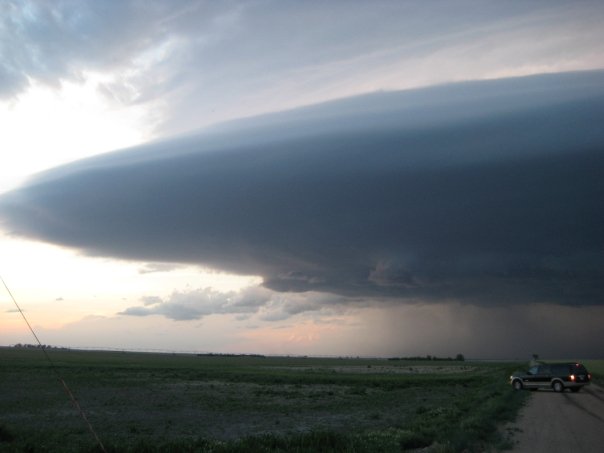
(487, 192)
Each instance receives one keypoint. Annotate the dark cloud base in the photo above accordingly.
(487, 192)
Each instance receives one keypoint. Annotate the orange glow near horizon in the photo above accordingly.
(303, 337)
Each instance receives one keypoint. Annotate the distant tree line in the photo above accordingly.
(35, 346)
(219, 354)
(458, 358)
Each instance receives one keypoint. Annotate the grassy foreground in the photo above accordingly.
(163, 402)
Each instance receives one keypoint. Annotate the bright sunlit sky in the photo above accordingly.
(82, 78)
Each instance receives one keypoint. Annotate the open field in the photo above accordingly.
(596, 368)
(168, 402)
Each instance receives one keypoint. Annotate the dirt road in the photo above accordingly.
(562, 422)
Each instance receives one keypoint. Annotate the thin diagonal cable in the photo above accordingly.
(54, 369)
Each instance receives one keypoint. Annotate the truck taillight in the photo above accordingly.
(572, 377)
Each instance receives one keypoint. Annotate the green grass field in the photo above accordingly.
(140, 402)
(596, 368)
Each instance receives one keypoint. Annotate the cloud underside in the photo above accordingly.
(485, 192)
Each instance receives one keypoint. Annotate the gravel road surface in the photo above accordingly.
(562, 422)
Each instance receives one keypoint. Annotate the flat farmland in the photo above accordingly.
(596, 368)
(177, 402)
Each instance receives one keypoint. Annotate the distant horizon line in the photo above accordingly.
(432, 358)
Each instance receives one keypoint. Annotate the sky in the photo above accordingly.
(310, 178)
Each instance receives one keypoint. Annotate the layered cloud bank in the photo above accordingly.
(487, 192)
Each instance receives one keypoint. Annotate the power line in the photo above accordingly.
(56, 371)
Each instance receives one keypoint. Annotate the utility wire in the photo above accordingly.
(56, 372)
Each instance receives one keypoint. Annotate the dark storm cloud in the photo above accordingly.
(489, 192)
